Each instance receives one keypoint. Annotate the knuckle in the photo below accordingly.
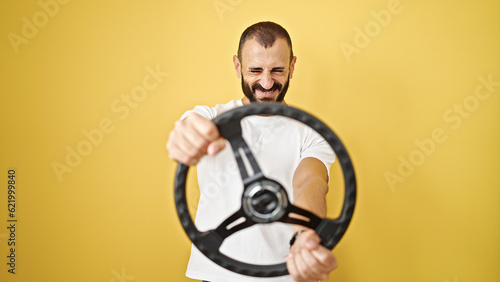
(191, 154)
(170, 141)
(178, 124)
(186, 160)
(324, 257)
(171, 151)
(210, 131)
(304, 272)
(201, 144)
(174, 157)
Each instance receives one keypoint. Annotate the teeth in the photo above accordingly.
(266, 92)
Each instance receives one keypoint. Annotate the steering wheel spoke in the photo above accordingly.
(247, 164)
(236, 222)
(296, 215)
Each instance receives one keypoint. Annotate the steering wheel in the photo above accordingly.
(265, 200)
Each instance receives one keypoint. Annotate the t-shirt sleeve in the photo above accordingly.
(316, 146)
(204, 111)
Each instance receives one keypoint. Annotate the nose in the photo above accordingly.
(266, 80)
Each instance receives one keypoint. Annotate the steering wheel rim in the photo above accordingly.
(329, 230)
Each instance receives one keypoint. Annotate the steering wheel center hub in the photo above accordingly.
(264, 201)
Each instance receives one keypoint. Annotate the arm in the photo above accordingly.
(310, 185)
(308, 260)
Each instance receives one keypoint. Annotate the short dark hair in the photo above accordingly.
(266, 34)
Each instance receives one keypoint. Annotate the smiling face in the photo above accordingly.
(264, 72)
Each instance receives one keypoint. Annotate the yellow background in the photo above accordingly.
(112, 216)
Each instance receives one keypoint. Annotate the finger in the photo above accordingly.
(216, 146)
(325, 258)
(322, 255)
(311, 240)
(315, 268)
(179, 154)
(205, 127)
(183, 143)
(293, 268)
(204, 134)
(207, 130)
(303, 266)
(319, 259)
(190, 138)
(181, 149)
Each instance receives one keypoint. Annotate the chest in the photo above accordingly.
(276, 145)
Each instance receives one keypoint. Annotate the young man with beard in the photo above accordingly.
(287, 151)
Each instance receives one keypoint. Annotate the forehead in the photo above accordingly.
(255, 55)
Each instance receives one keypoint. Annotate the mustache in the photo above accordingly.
(276, 86)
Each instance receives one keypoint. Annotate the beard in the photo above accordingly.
(249, 91)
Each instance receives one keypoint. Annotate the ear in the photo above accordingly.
(237, 66)
(292, 67)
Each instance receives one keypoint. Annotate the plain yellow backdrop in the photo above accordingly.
(91, 89)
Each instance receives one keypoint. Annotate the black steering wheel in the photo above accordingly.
(265, 200)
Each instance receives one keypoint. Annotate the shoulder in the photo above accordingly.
(213, 112)
(221, 108)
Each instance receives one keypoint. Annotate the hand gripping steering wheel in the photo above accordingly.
(265, 200)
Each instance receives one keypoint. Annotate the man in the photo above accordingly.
(286, 150)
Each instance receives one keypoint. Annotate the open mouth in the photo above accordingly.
(267, 94)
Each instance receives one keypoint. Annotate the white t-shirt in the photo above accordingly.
(278, 144)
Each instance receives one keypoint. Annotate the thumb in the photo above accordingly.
(312, 240)
(216, 146)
